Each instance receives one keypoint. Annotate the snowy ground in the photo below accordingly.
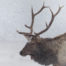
(9, 55)
(14, 14)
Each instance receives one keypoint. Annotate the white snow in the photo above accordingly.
(9, 55)
(14, 14)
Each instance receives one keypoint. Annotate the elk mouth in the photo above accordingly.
(24, 54)
(32, 56)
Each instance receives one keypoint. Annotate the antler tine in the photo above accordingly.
(52, 19)
(41, 9)
(59, 10)
(31, 26)
(33, 16)
(32, 23)
(25, 34)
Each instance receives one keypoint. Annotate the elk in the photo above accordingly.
(45, 50)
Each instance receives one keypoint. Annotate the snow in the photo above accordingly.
(14, 14)
(9, 55)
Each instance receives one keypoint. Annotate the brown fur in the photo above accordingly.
(47, 51)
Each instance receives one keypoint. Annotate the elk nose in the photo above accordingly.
(21, 53)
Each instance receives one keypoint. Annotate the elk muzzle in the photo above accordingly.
(22, 53)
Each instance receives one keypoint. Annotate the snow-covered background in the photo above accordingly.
(14, 14)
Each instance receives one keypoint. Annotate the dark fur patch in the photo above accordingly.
(44, 56)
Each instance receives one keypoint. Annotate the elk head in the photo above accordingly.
(37, 46)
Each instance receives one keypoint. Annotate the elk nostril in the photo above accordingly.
(20, 53)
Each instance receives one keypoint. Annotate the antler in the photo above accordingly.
(51, 21)
(32, 23)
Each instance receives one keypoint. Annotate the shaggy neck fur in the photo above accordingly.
(44, 56)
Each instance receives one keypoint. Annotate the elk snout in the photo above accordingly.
(22, 53)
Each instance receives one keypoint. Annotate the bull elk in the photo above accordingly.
(45, 50)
